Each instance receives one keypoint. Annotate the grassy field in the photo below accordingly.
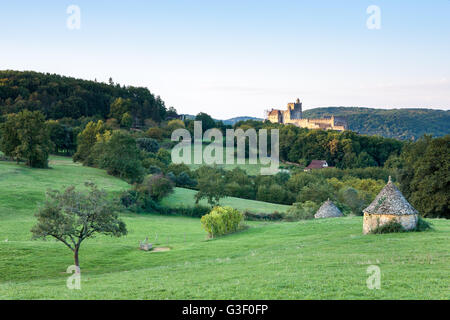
(185, 197)
(324, 259)
(251, 169)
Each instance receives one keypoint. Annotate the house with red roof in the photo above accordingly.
(317, 164)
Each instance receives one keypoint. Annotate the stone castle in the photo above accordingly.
(293, 115)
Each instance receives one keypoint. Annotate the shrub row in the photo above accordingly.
(276, 216)
(139, 202)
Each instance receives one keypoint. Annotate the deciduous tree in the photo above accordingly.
(86, 141)
(119, 155)
(72, 217)
(211, 186)
(26, 136)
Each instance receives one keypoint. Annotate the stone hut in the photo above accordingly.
(389, 205)
(328, 210)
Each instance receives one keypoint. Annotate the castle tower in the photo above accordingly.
(298, 109)
(295, 109)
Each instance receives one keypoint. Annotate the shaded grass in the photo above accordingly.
(182, 197)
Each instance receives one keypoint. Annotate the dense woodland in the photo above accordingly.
(59, 97)
(340, 149)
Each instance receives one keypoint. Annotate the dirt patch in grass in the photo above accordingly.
(161, 249)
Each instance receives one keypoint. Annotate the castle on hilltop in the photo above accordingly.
(293, 115)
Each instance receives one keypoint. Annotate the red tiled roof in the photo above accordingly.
(316, 164)
(274, 112)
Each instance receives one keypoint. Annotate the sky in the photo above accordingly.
(239, 58)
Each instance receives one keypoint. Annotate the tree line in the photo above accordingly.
(341, 149)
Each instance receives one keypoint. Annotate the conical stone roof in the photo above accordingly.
(390, 201)
(328, 210)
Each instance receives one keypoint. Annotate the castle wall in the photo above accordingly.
(273, 118)
(325, 124)
(293, 115)
(286, 116)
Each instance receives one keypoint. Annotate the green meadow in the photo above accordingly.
(182, 197)
(250, 168)
(315, 259)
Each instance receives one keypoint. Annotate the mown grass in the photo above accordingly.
(323, 259)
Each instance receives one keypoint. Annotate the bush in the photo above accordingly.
(184, 180)
(155, 133)
(172, 177)
(394, 226)
(136, 201)
(148, 144)
(301, 211)
(154, 170)
(390, 227)
(422, 225)
(178, 168)
(157, 186)
(221, 221)
(164, 156)
(175, 124)
(153, 165)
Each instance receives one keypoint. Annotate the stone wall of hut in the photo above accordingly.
(372, 221)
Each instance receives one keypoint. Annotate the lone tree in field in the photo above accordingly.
(73, 216)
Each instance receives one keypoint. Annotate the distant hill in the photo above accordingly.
(237, 119)
(227, 121)
(394, 123)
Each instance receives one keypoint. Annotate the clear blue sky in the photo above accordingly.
(231, 58)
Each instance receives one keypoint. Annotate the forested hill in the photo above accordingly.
(394, 123)
(64, 97)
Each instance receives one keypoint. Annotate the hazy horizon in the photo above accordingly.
(236, 58)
